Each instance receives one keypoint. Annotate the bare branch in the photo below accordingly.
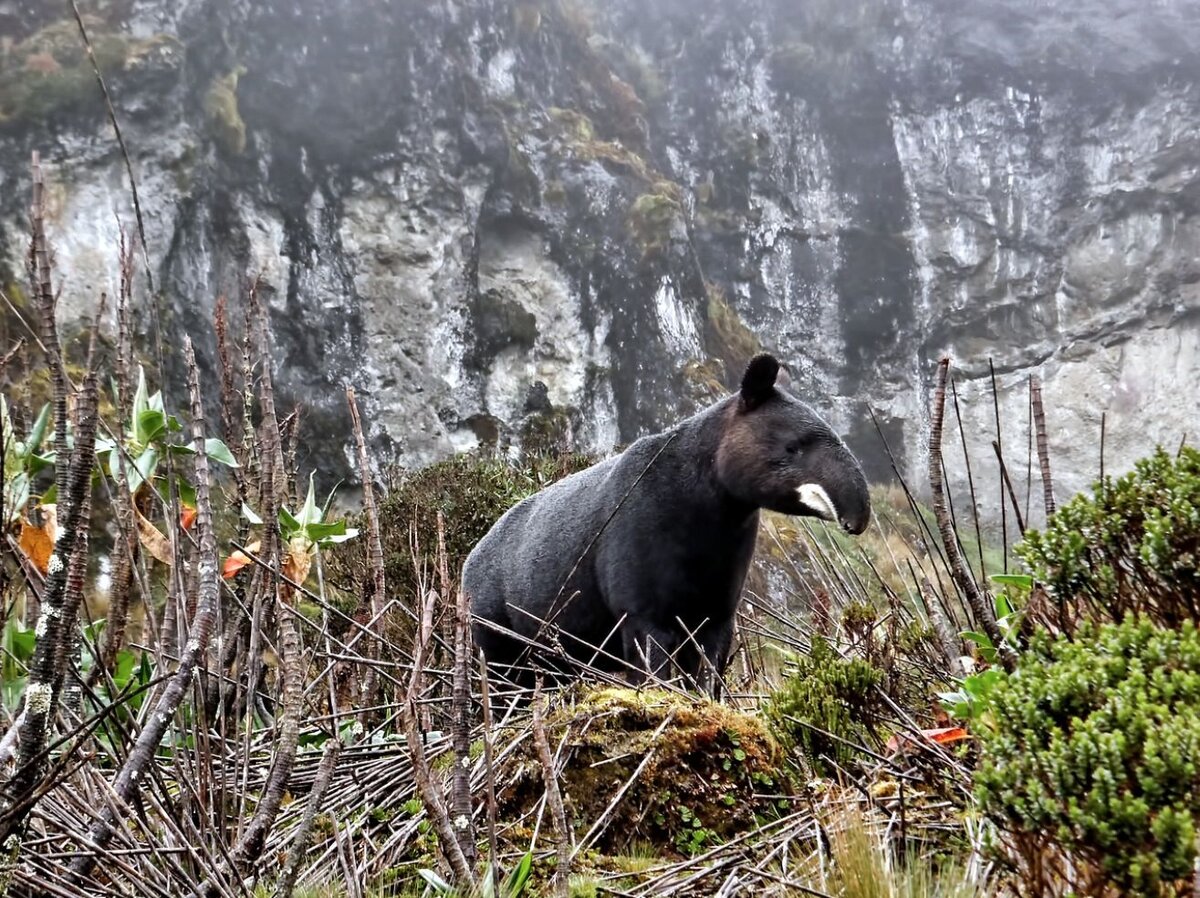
(562, 834)
(958, 569)
(136, 765)
(1043, 446)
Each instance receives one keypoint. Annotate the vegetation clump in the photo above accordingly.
(654, 218)
(695, 772)
(1095, 755)
(1131, 546)
(826, 706)
(49, 72)
(578, 132)
(470, 492)
(727, 335)
(221, 107)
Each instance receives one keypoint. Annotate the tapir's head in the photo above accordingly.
(775, 452)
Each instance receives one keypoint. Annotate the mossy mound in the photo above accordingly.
(708, 772)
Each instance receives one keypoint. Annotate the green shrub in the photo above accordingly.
(1132, 546)
(825, 692)
(1095, 756)
(470, 490)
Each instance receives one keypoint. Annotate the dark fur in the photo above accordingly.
(678, 546)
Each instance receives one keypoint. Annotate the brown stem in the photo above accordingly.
(134, 770)
(43, 288)
(250, 846)
(377, 591)
(62, 592)
(1000, 453)
(316, 798)
(126, 544)
(422, 775)
(562, 872)
(460, 724)
(1043, 445)
(1008, 486)
(958, 569)
(489, 771)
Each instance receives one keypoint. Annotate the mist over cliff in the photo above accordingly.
(578, 219)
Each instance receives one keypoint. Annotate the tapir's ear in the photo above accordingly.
(758, 383)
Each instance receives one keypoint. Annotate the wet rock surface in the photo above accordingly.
(450, 204)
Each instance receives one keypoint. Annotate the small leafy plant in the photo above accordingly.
(1095, 756)
(302, 534)
(972, 700)
(511, 887)
(826, 702)
(23, 460)
(1133, 545)
(148, 440)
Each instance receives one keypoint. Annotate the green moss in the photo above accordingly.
(709, 767)
(49, 73)
(727, 336)
(654, 217)
(583, 887)
(554, 192)
(572, 124)
(224, 117)
(578, 133)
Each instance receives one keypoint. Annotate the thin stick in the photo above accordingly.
(1000, 454)
(562, 873)
(1008, 485)
(489, 772)
(447, 837)
(460, 710)
(378, 588)
(983, 613)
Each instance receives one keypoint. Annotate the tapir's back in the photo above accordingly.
(526, 558)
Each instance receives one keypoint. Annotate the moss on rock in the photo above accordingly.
(727, 335)
(49, 72)
(707, 767)
(654, 217)
(224, 117)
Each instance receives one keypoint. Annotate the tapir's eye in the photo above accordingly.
(793, 447)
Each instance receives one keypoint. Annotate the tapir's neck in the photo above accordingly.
(693, 452)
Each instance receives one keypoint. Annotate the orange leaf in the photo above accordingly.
(233, 564)
(187, 517)
(940, 735)
(946, 735)
(153, 541)
(238, 560)
(37, 542)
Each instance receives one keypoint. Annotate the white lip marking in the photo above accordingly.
(814, 496)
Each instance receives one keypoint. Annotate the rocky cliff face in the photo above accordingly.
(557, 218)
